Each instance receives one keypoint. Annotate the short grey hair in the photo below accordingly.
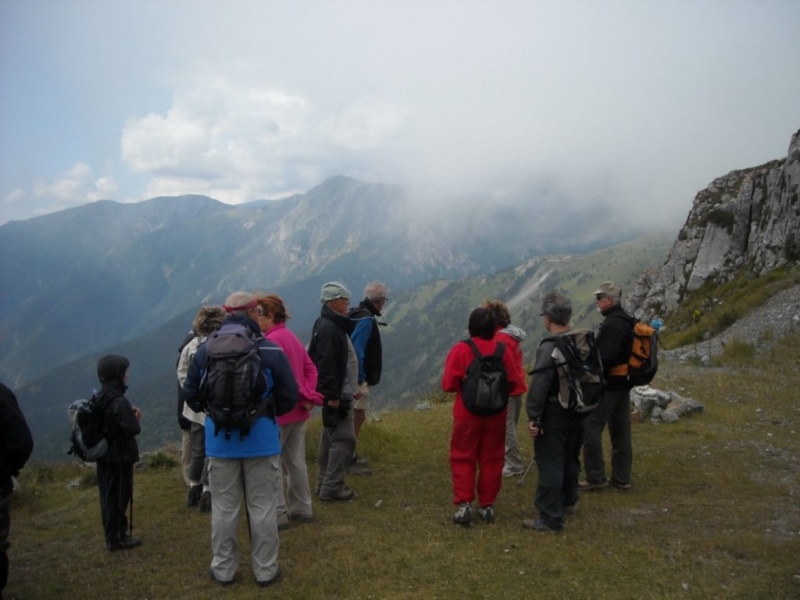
(376, 290)
(240, 303)
(557, 308)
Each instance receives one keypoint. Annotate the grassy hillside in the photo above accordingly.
(713, 513)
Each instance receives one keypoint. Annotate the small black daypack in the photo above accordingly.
(485, 388)
(579, 367)
(233, 386)
(86, 424)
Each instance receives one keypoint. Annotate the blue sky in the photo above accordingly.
(641, 103)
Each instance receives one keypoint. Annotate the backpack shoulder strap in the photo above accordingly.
(553, 366)
(469, 342)
(500, 349)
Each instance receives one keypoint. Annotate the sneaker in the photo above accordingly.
(538, 525)
(217, 581)
(512, 472)
(463, 515)
(204, 505)
(283, 522)
(621, 486)
(343, 494)
(588, 486)
(487, 514)
(193, 495)
(355, 469)
(269, 582)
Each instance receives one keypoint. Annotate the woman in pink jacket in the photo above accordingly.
(272, 321)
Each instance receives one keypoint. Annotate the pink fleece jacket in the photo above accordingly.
(305, 372)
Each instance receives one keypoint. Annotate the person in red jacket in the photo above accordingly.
(511, 336)
(477, 444)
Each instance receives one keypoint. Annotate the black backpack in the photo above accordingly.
(233, 386)
(86, 423)
(485, 388)
(577, 361)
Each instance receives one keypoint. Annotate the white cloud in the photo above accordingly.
(75, 187)
(238, 141)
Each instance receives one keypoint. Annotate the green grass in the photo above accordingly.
(719, 306)
(713, 513)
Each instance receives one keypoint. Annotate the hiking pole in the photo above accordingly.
(530, 464)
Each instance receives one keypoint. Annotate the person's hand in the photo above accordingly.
(333, 403)
(307, 405)
(534, 430)
(137, 413)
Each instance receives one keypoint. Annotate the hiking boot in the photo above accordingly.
(269, 582)
(343, 494)
(538, 525)
(355, 469)
(193, 495)
(301, 518)
(487, 514)
(463, 515)
(125, 543)
(217, 581)
(590, 486)
(621, 486)
(283, 522)
(359, 461)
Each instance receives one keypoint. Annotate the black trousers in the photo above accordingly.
(557, 452)
(5, 526)
(115, 483)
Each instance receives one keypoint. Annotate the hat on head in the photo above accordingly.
(609, 288)
(332, 291)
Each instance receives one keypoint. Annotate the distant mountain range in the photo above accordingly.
(128, 278)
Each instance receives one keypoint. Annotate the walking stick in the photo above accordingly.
(530, 464)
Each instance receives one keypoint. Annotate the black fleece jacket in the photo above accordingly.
(328, 349)
(16, 442)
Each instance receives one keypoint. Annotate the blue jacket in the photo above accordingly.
(263, 439)
(366, 338)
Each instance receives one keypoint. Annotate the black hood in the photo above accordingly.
(111, 369)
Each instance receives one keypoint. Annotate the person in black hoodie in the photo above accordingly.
(16, 445)
(115, 469)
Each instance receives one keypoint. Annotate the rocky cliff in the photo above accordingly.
(748, 218)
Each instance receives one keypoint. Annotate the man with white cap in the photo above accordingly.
(337, 365)
(614, 339)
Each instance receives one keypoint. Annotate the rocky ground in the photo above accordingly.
(778, 317)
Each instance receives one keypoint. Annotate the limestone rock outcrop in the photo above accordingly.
(747, 217)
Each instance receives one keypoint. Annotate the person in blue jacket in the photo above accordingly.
(245, 466)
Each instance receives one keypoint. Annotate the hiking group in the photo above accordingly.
(247, 387)
(579, 384)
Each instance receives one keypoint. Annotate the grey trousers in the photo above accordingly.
(513, 461)
(336, 448)
(613, 409)
(256, 481)
(294, 471)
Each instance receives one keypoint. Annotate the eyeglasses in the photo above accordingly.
(599, 297)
